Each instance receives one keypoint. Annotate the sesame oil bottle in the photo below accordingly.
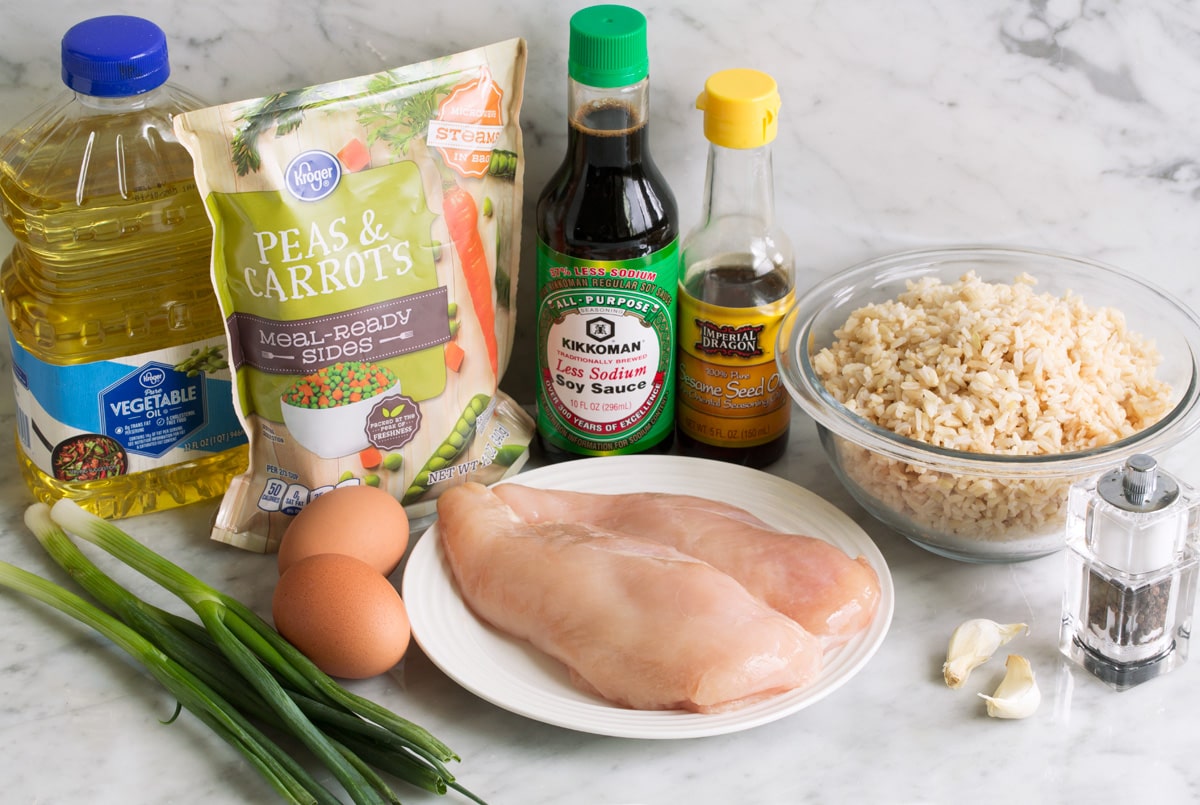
(737, 281)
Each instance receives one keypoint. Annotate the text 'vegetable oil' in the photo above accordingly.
(123, 392)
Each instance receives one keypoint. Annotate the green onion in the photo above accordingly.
(215, 613)
(233, 616)
(190, 691)
(234, 648)
(180, 639)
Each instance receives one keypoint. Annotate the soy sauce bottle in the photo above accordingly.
(608, 257)
(737, 283)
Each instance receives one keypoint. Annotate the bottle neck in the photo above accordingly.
(739, 184)
(608, 125)
(120, 103)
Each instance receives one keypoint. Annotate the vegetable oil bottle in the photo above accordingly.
(737, 282)
(123, 392)
(607, 260)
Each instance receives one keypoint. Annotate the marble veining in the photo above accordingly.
(1064, 124)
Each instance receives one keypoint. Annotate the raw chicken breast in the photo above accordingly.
(636, 622)
(815, 583)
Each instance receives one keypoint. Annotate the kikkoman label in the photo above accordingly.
(606, 351)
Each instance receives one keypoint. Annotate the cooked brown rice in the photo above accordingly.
(988, 368)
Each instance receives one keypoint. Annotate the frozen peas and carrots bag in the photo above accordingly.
(365, 253)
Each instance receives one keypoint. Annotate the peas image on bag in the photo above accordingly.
(340, 384)
(369, 303)
(329, 412)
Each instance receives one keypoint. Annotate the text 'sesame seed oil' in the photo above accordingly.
(737, 280)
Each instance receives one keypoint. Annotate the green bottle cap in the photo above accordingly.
(608, 46)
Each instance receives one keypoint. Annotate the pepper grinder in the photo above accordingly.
(1131, 573)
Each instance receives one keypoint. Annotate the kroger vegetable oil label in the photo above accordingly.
(606, 351)
(730, 393)
(104, 419)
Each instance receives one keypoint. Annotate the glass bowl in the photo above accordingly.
(963, 503)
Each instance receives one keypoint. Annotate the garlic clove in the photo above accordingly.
(1017, 695)
(972, 644)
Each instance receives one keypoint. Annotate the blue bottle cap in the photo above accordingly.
(114, 57)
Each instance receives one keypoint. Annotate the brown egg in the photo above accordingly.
(342, 614)
(360, 521)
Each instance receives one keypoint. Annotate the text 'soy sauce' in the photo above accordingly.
(607, 260)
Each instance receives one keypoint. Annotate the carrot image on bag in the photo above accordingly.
(462, 220)
(369, 305)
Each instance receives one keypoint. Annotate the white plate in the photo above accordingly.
(514, 675)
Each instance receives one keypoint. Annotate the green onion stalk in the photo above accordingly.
(256, 650)
(191, 693)
(235, 647)
(217, 617)
(182, 640)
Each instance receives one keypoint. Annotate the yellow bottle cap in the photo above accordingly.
(741, 108)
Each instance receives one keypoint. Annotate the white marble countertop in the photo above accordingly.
(1055, 123)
